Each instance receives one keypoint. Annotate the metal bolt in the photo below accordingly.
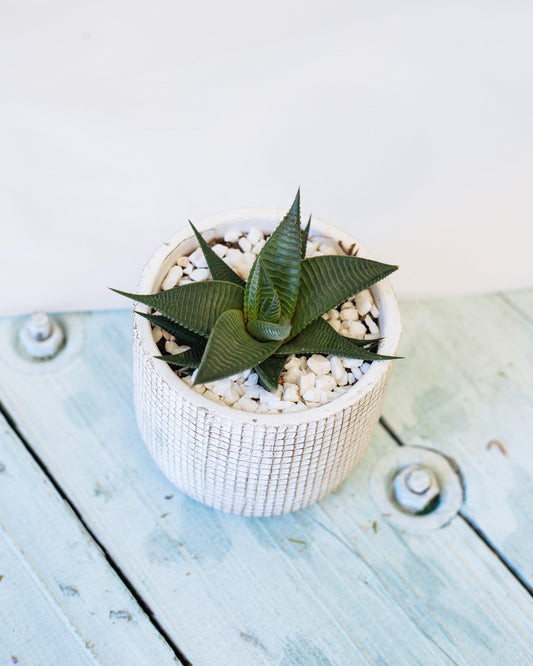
(416, 489)
(41, 337)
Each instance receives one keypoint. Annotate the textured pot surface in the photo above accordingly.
(248, 463)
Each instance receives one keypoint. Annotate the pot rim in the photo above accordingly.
(389, 318)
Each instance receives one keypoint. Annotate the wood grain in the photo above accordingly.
(332, 584)
(465, 388)
(60, 602)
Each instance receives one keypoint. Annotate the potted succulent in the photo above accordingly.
(260, 372)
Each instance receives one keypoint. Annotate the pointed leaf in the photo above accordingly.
(328, 281)
(269, 371)
(265, 330)
(264, 302)
(231, 349)
(218, 267)
(187, 359)
(179, 332)
(305, 236)
(195, 306)
(321, 338)
(280, 258)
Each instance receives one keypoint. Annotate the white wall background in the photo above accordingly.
(409, 123)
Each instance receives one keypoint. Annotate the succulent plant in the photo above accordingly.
(231, 325)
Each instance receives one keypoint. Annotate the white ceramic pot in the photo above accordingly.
(247, 463)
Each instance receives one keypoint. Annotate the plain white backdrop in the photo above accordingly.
(408, 123)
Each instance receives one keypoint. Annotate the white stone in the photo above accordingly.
(352, 363)
(357, 330)
(311, 248)
(252, 391)
(200, 274)
(337, 368)
(173, 348)
(167, 336)
(256, 249)
(312, 395)
(157, 332)
(233, 257)
(255, 235)
(372, 326)
(333, 314)
(327, 248)
(247, 404)
(221, 386)
(292, 374)
(291, 392)
(349, 314)
(347, 305)
(189, 268)
(306, 381)
(357, 373)
(173, 277)
(198, 259)
(365, 366)
(374, 311)
(231, 396)
(220, 250)
(326, 382)
(318, 364)
(252, 379)
(183, 261)
(351, 378)
(336, 324)
(185, 281)
(232, 236)
(364, 302)
(245, 244)
(212, 396)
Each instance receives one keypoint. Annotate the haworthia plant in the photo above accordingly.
(231, 325)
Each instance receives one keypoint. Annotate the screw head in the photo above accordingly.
(416, 489)
(41, 337)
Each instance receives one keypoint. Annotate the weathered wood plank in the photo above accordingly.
(314, 587)
(60, 602)
(521, 300)
(466, 389)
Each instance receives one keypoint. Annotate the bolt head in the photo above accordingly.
(416, 489)
(41, 337)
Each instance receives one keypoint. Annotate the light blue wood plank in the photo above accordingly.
(60, 602)
(465, 388)
(319, 586)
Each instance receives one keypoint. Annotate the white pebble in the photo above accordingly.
(291, 392)
(372, 326)
(173, 277)
(337, 368)
(347, 305)
(255, 235)
(256, 249)
(221, 386)
(349, 314)
(185, 281)
(232, 236)
(352, 363)
(252, 379)
(173, 348)
(183, 261)
(157, 332)
(374, 311)
(231, 396)
(357, 330)
(326, 383)
(306, 381)
(312, 395)
(327, 248)
(252, 391)
(357, 373)
(336, 324)
(351, 378)
(364, 302)
(365, 366)
(200, 274)
(292, 374)
(319, 364)
(220, 250)
(189, 268)
(212, 396)
(245, 244)
(198, 259)
(233, 257)
(311, 248)
(247, 404)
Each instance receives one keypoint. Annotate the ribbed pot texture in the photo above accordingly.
(247, 463)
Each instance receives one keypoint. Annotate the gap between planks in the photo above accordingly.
(475, 528)
(109, 559)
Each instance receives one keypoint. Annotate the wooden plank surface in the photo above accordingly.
(331, 584)
(60, 602)
(465, 389)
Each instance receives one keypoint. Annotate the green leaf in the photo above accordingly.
(196, 306)
(280, 258)
(263, 300)
(305, 235)
(269, 371)
(321, 338)
(179, 332)
(187, 359)
(330, 280)
(265, 330)
(231, 349)
(218, 267)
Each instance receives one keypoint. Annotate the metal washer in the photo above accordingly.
(446, 473)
